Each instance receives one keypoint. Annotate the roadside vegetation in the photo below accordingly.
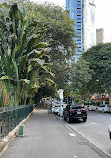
(36, 49)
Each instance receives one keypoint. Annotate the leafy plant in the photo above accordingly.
(21, 51)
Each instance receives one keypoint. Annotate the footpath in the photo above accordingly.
(46, 136)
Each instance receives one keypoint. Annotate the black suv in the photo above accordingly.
(74, 112)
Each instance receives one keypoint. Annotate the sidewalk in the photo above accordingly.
(48, 137)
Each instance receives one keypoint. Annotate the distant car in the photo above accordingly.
(53, 109)
(56, 109)
(74, 112)
(103, 108)
(92, 108)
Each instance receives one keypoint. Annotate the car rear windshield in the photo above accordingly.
(102, 106)
(77, 107)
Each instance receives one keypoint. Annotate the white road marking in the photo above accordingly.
(75, 156)
(93, 123)
(72, 134)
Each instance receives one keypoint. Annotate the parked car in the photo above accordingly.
(56, 109)
(53, 109)
(103, 108)
(74, 112)
(92, 108)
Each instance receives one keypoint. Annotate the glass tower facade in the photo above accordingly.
(83, 13)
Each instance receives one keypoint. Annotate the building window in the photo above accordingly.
(78, 29)
(78, 11)
(78, 15)
(78, 22)
(78, 8)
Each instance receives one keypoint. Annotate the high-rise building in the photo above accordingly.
(99, 35)
(83, 13)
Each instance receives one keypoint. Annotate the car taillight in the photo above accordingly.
(84, 110)
(71, 110)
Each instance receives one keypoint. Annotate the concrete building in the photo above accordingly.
(99, 35)
(83, 13)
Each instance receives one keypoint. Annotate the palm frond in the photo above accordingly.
(39, 61)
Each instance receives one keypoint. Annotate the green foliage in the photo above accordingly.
(59, 35)
(21, 51)
(58, 32)
(99, 58)
(81, 74)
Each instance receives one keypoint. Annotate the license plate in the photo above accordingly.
(78, 112)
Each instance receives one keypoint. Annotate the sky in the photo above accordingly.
(103, 14)
(57, 2)
(103, 17)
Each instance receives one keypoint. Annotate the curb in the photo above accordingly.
(5, 142)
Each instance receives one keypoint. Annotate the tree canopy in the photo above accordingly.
(29, 27)
(99, 58)
(80, 76)
(60, 35)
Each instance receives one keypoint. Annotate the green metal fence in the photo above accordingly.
(11, 117)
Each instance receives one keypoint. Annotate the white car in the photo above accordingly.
(53, 109)
(103, 108)
(92, 108)
(56, 109)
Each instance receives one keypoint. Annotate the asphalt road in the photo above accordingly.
(95, 129)
(46, 136)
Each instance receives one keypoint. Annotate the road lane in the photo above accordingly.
(95, 129)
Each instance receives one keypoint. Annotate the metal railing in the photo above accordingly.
(11, 117)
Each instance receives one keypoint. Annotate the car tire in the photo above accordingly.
(84, 119)
(110, 135)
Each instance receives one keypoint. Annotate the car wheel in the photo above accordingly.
(84, 119)
(110, 135)
(68, 119)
